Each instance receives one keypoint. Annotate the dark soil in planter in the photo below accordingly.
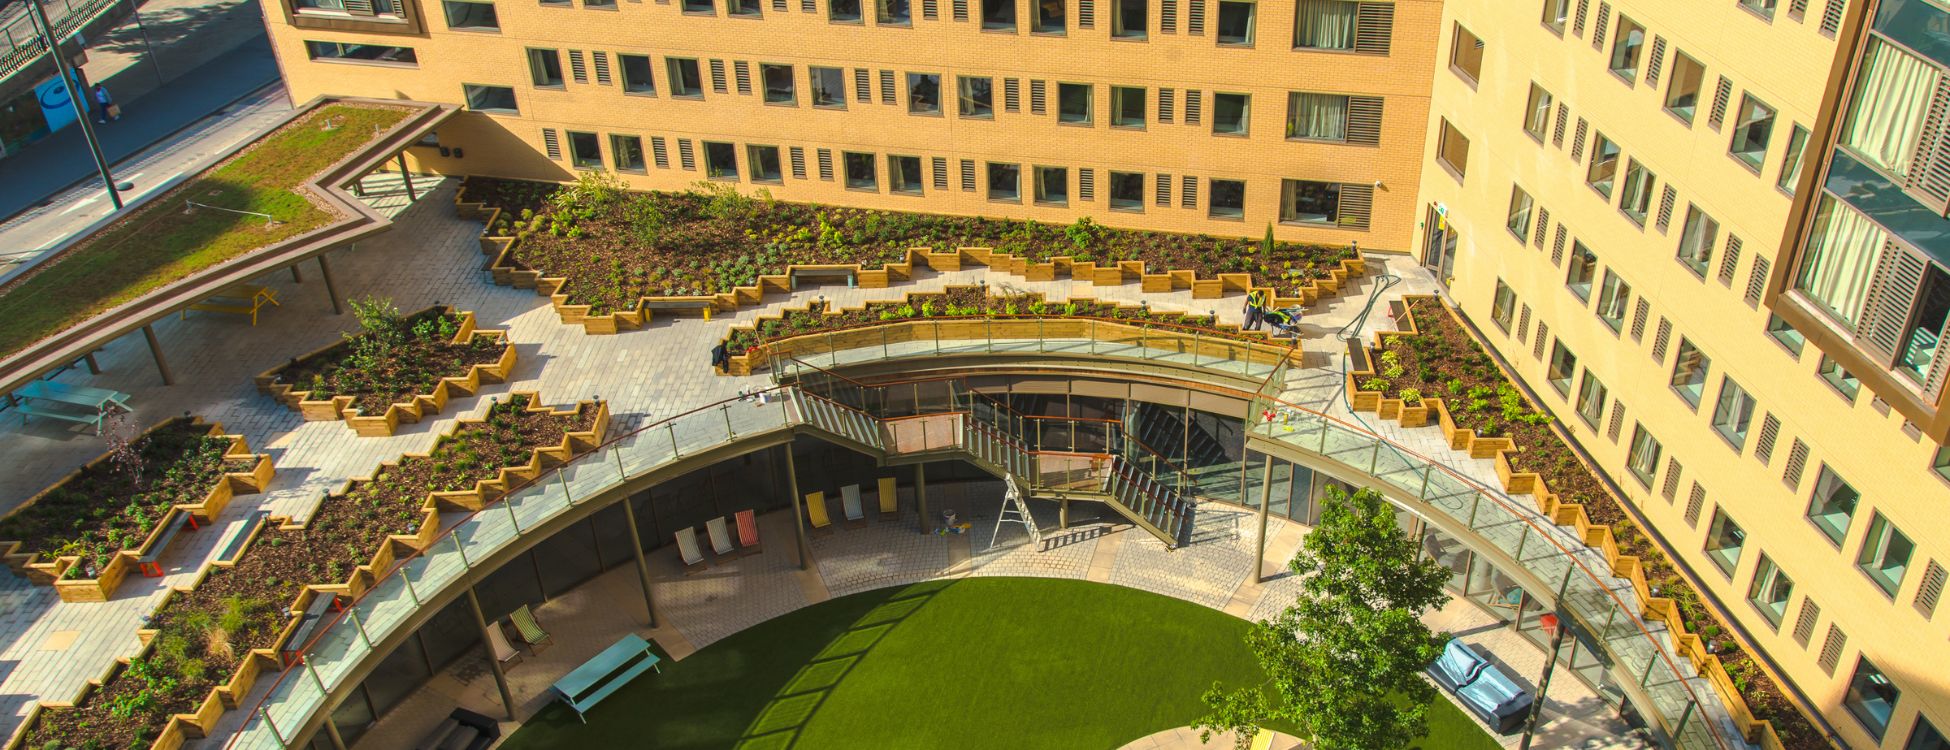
(206, 631)
(113, 505)
(616, 247)
(408, 358)
(1445, 362)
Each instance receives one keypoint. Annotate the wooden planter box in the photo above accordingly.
(271, 382)
(102, 587)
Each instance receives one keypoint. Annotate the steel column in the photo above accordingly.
(494, 664)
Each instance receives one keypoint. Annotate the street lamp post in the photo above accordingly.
(75, 100)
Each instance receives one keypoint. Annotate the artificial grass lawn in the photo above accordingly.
(973, 663)
(161, 243)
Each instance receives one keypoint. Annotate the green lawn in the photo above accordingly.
(161, 243)
(975, 663)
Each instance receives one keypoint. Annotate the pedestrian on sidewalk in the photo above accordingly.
(106, 108)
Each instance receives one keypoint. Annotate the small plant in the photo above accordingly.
(1412, 396)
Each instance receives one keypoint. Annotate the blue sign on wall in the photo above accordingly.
(55, 104)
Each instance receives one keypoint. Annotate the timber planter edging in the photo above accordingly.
(420, 406)
(1597, 536)
(500, 250)
(102, 586)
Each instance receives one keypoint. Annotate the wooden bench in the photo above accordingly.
(237, 299)
(46, 398)
(235, 546)
(850, 276)
(314, 615)
(151, 564)
(605, 673)
(681, 306)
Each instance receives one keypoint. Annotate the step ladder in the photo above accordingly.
(1015, 510)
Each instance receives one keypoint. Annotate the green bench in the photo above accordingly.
(605, 673)
(72, 403)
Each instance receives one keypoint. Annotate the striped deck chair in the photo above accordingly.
(890, 508)
(816, 514)
(498, 648)
(720, 538)
(748, 532)
(531, 632)
(856, 516)
(687, 549)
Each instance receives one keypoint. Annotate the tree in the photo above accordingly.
(1266, 245)
(1345, 660)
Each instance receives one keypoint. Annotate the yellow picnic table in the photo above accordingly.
(238, 299)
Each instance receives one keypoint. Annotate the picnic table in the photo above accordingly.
(605, 673)
(72, 403)
(238, 299)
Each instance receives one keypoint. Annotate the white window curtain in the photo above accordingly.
(1324, 24)
(1840, 259)
(1890, 101)
(1322, 116)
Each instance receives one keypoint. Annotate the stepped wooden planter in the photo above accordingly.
(53, 571)
(500, 249)
(1597, 536)
(271, 382)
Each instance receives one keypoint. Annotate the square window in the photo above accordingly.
(1841, 380)
(1127, 191)
(1128, 19)
(1320, 117)
(1309, 202)
(1642, 459)
(1236, 22)
(1940, 463)
(1724, 540)
(779, 85)
(1503, 307)
(999, 15)
(1751, 133)
(1591, 399)
(1789, 338)
(470, 15)
(1325, 24)
(1871, 698)
(545, 68)
(1537, 112)
(1555, 13)
(1466, 54)
(1733, 413)
(923, 94)
(763, 161)
(1518, 222)
(1052, 186)
(636, 74)
(720, 161)
(1127, 106)
(1452, 150)
(904, 174)
(828, 87)
(626, 151)
(1885, 554)
(843, 11)
(1832, 506)
(1231, 113)
(976, 97)
(860, 172)
(1563, 365)
(585, 150)
(1073, 103)
(1682, 92)
(747, 8)
(1583, 270)
(685, 80)
(1614, 297)
(1689, 372)
(1626, 45)
(1697, 239)
(1763, 7)
(1048, 18)
(499, 99)
(1228, 199)
(893, 13)
(1637, 201)
(1005, 182)
(1770, 591)
(1604, 165)
(1924, 736)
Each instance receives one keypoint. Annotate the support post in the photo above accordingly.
(500, 677)
(642, 565)
(1544, 683)
(1265, 500)
(1063, 512)
(94, 368)
(297, 277)
(798, 510)
(155, 349)
(921, 497)
(80, 98)
(332, 733)
(359, 186)
(331, 289)
(408, 176)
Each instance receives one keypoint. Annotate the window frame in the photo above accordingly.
(765, 85)
(1293, 99)
(1642, 455)
(1832, 497)
(1119, 100)
(1733, 427)
(1445, 133)
(1289, 189)
(1252, 23)
(1563, 362)
(1875, 549)
(914, 104)
(1589, 404)
(1212, 208)
(468, 91)
(616, 153)
(1682, 64)
(964, 96)
(579, 160)
(1089, 118)
(1582, 263)
(752, 162)
(1245, 119)
(1722, 534)
(850, 159)
(1769, 580)
(1528, 211)
(538, 63)
(714, 171)
(447, 15)
(1621, 34)
(814, 88)
(1563, 15)
(1688, 379)
(1120, 29)
(1041, 195)
(624, 79)
(1701, 259)
(1603, 185)
(1540, 111)
(673, 75)
(1015, 174)
(897, 168)
(1639, 179)
(1471, 71)
(1614, 290)
(1503, 305)
(1137, 207)
(1740, 127)
(1858, 708)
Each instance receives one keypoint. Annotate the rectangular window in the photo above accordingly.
(1048, 17)
(1583, 270)
(1005, 182)
(923, 94)
(1919, 344)
(1453, 150)
(1784, 333)
(1832, 506)
(1924, 736)
(1841, 255)
(1614, 297)
(1128, 19)
(1236, 22)
(779, 86)
(1625, 49)
(1642, 460)
(1555, 14)
(1689, 372)
(498, 99)
(763, 161)
(1127, 106)
(1766, 10)
(1733, 413)
(636, 74)
(699, 6)
(626, 151)
(1724, 540)
(904, 174)
(1563, 365)
(1503, 308)
(1892, 97)
(1871, 698)
(1697, 239)
(1885, 554)
(828, 87)
(545, 68)
(1325, 24)
(860, 172)
(1637, 199)
(1466, 54)
(720, 161)
(975, 97)
(1841, 380)
(893, 13)
(1230, 113)
(1591, 399)
(1791, 166)
(1073, 103)
(843, 11)
(685, 80)
(1310, 202)
(1940, 463)
(1228, 199)
(363, 53)
(999, 14)
(585, 150)
(1604, 165)
(1751, 132)
(1321, 117)
(1052, 186)
(1770, 591)
(471, 16)
(747, 8)
(1127, 191)
(1518, 222)
(1682, 92)
(1537, 112)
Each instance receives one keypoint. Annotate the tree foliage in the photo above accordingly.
(1345, 659)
